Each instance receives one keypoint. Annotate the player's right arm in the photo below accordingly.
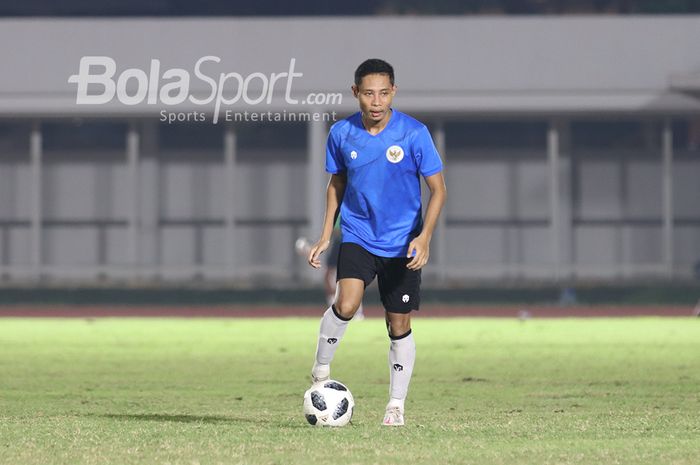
(334, 197)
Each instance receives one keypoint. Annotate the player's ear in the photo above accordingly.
(355, 90)
(394, 89)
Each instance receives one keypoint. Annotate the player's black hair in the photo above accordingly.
(374, 66)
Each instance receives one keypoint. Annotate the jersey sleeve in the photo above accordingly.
(427, 156)
(334, 158)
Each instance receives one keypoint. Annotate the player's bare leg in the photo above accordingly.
(332, 296)
(402, 356)
(350, 293)
(333, 325)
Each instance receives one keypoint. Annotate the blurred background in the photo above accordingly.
(570, 131)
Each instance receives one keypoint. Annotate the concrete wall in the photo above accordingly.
(556, 134)
(497, 223)
(473, 65)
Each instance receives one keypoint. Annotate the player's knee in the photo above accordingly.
(398, 328)
(346, 308)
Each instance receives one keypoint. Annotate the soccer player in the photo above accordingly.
(375, 158)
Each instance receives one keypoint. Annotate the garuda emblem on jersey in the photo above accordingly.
(394, 154)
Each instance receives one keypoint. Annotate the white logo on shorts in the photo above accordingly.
(353, 154)
(394, 154)
(405, 298)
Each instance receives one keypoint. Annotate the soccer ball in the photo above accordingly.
(328, 403)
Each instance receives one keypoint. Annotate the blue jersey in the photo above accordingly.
(381, 208)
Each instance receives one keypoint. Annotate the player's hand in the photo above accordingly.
(316, 250)
(419, 250)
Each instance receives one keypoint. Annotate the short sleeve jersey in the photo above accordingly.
(381, 207)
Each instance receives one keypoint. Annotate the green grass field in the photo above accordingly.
(485, 391)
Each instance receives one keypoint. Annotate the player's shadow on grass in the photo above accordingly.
(162, 417)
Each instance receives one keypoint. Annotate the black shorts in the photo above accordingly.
(399, 287)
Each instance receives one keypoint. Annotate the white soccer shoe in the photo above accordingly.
(320, 373)
(393, 416)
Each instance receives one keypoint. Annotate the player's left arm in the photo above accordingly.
(419, 248)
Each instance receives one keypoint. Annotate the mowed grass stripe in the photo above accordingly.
(485, 391)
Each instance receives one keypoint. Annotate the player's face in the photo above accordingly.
(375, 94)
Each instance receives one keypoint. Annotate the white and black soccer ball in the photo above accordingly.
(328, 403)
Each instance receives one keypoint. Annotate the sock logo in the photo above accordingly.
(398, 367)
(332, 340)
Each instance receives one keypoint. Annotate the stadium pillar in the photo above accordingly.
(315, 184)
(149, 234)
(560, 197)
(667, 197)
(230, 144)
(35, 153)
(441, 248)
(553, 159)
(566, 195)
(132, 161)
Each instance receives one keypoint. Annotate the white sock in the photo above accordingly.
(402, 356)
(329, 335)
(396, 403)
